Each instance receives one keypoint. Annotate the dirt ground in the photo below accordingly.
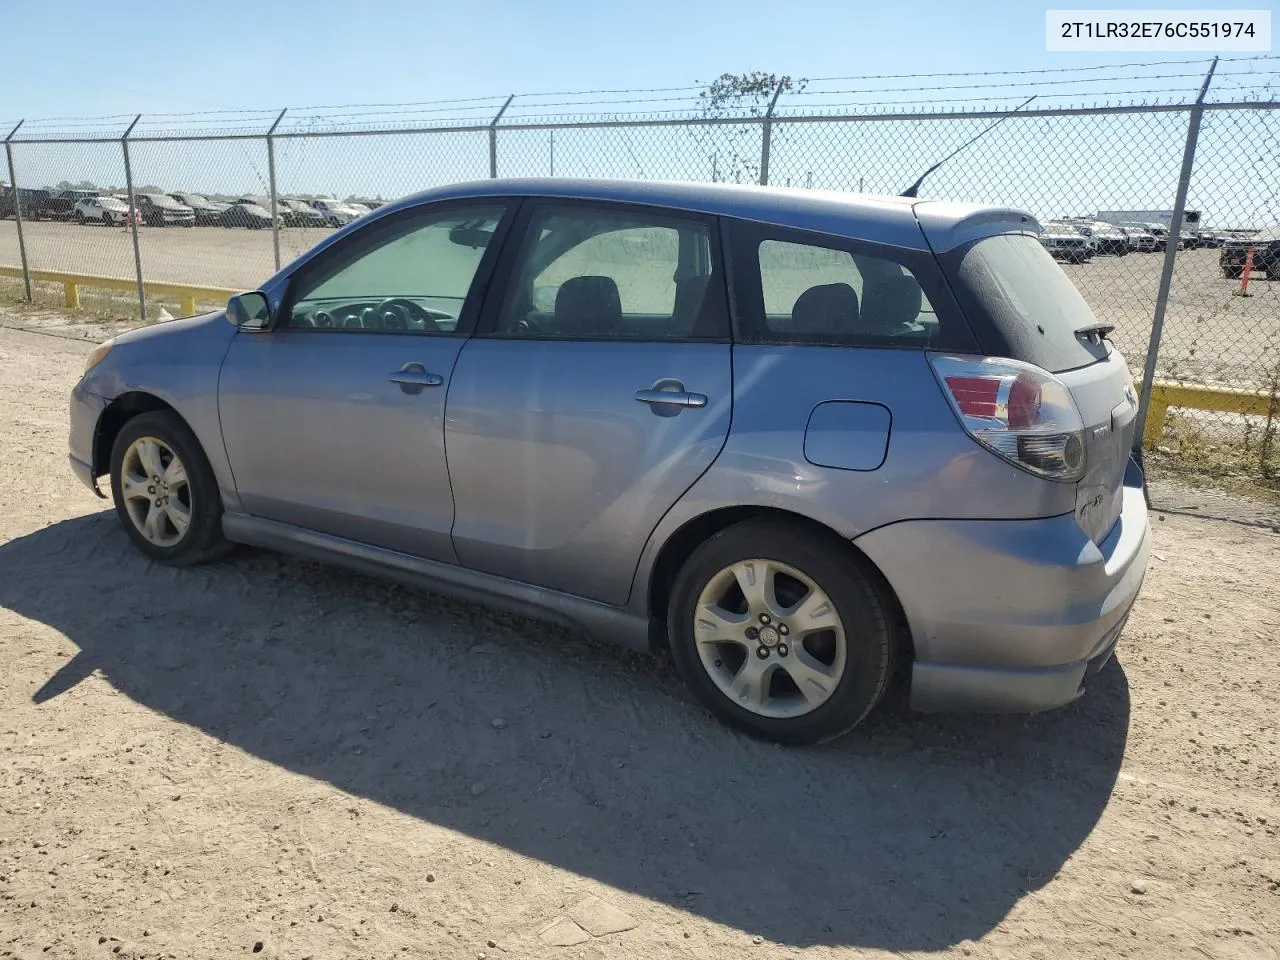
(267, 756)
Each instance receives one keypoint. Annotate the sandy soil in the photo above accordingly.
(266, 755)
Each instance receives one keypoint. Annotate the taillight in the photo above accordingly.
(1016, 410)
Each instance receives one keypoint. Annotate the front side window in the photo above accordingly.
(594, 273)
(409, 275)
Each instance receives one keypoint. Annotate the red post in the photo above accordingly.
(1248, 269)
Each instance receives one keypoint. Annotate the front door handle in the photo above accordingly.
(413, 377)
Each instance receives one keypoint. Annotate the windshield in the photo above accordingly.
(194, 200)
(1021, 303)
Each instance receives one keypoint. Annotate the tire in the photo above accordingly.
(1232, 273)
(79, 218)
(852, 680)
(202, 538)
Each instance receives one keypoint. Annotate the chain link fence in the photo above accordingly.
(82, 212)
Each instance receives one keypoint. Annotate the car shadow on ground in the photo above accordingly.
(913, 833)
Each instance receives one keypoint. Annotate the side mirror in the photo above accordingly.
(249, 311)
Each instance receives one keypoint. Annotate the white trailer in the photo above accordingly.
(1190, 218)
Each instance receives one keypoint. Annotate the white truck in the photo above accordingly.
(1160, 218)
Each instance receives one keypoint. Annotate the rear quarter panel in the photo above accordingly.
(931, 467)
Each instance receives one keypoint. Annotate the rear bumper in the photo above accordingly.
(1007, 616)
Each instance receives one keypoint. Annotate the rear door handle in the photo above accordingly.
(412, 377)
(666, 396)
(676, 398)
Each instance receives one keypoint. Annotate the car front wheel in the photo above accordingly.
(165, 492)
(780, 632)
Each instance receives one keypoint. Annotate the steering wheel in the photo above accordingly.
(412, 310)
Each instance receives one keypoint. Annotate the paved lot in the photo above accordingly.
(264, 751)
(1211, 335)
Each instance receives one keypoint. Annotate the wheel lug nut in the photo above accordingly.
(764, 618)
(782, 629)
(762, 653)
(783, 650)
(752, 633)
(151, 490)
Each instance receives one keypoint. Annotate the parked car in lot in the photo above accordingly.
(246, 213)
(35, 203)
(1140, 240)
(207, 212)
(1064, 242)
(62, 205)
(1265, 245)
(109, 211)
(563, 445)
(1107, 238)
(1161, 233)
(335, 212)
(301, 214)
(161, 210)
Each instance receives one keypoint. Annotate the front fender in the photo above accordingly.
(177, 362)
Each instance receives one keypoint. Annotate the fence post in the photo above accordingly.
(17, 210)
(493, 138)
(271, 176)
(1170, 254)
(133, 218)
(766, 136)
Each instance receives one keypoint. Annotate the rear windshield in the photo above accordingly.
(1021, 304)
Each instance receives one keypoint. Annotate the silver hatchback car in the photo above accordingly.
(804, 440)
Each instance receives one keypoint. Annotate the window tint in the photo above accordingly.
(410, 275)
(1011, 283)
(592, 273)
(826, 293)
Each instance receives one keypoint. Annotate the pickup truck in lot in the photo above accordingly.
(1265, 245)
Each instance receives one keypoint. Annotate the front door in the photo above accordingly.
(334, 418)
(598, 391)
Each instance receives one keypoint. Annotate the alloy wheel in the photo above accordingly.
(770, 638)
(156, 491)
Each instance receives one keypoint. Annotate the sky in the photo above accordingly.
(181, 56)
(177, 57)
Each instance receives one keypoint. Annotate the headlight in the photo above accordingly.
(99, 354)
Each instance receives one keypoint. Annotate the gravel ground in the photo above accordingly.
(264, 755)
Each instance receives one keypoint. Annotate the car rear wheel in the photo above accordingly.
(79, 218)
(1232, 273)
(164, 491)
(780, 633)
(108, 220)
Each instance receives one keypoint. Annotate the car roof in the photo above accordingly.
(895, 221)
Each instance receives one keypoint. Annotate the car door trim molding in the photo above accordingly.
(522, 599)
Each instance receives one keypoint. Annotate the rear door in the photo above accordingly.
(597, 392)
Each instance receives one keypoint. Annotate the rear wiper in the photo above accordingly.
(1095, 332)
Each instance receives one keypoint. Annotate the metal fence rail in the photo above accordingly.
(1178, 318)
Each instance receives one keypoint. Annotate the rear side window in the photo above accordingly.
(806, 288)
(1022, 305)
